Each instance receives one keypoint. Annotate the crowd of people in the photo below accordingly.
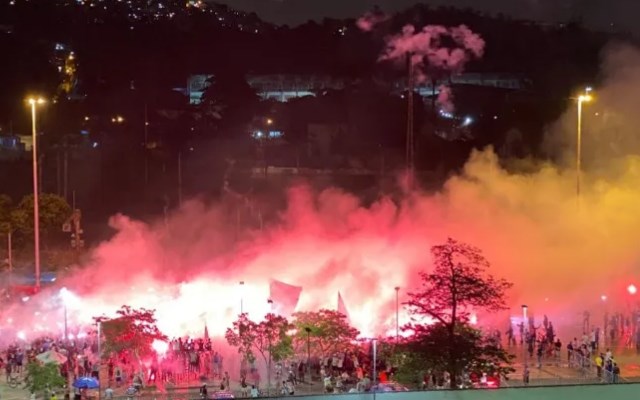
(542, 345)
(187, 360)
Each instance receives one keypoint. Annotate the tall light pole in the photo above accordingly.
(584, 98)
(308, 330)
(34, 102)
(375, 361)
(241, 297)
(526, 332)
(270, 345)
(397, 288)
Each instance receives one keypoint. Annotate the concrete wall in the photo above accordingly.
(587, 392)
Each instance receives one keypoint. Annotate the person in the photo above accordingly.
(244, 388)
(53, 396)
(254, 391)
(525, 376)
(203, 391)
(227, 379)
(599, 362)
(137, 382)
(290, 388)
(108, 393)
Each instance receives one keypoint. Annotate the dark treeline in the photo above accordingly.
(131, 55)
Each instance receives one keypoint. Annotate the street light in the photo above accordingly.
(241, 296)
(308, 330)
(34, 102)
(584, 98)
(270, 345)
(525, 332)
(397, 288)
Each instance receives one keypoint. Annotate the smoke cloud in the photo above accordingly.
(436, 52)
(367, 22)
(561, 254)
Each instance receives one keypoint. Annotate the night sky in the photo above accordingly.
(600, 14)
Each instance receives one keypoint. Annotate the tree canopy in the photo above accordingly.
(269, 338)
(457, 285)
(42, 377)
(327, 332)
(132, 330)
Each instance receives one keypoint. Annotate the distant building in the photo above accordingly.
(270, 87)
(284, 87)
(13, 147)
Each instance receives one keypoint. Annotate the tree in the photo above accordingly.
(42, 377)
(430, 346)
(327, 332)
(134, 330)
(268, 337)
(54, 211)
(457, 285)
(230, 102)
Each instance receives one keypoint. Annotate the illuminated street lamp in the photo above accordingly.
(269, 121)
(583, 98)
(34, 102)
(632, 289)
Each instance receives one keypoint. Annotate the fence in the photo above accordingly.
(582, 392)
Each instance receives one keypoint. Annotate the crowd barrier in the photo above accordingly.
(624, 391)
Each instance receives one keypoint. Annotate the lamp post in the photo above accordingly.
(270, 344)
(34, 102)
(241, 296)
(526, 333)
(584, 98)
(99, 358)
(375, 361)
(397, 289)
(308, 330)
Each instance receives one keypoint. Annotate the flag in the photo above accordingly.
(285, 297)
(342, 308)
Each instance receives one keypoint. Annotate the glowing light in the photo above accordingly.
(36, 100)
(603, 297)
(68, 297)
(160, 347)
(21, 335)
(585, 98)
(25, 299)
(473, 320)
(632, 289)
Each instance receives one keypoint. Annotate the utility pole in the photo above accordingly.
(65, 171)
(397, 289)
(410, 151)
(146, 145)
(10, 257)
(180, 179)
